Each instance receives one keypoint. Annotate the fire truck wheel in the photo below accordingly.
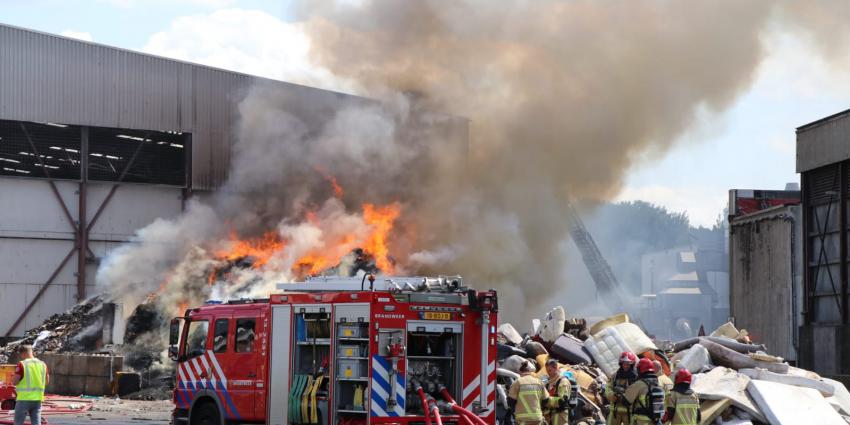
(206, 414)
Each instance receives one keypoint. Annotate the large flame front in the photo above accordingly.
(328, 239)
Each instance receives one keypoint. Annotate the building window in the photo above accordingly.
(29, 149)
(138, 156)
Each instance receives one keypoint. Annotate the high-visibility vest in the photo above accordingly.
(559, 388)
(686, 408)
(530, 395)
(31, 387)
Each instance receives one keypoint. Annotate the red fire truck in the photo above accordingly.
(340, 351)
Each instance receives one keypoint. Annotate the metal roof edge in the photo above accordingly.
(179, 61)
(823, 120)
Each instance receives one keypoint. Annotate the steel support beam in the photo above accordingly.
(82, 229)
(40, 292)
(842, 226)
(71, 220)
(115, 186)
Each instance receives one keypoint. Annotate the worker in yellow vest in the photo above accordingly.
(646, 396)
(559, 388)
(619, 408)
(682, 405)
(30, 380)
(527, 397)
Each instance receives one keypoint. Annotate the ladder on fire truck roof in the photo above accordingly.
(381, 283)
(599, 269)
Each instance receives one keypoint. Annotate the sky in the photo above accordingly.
(751, 145)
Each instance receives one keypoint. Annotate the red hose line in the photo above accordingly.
(466, 415)
(448, 397)
(436, 412)
(424, 405)
(472, 416)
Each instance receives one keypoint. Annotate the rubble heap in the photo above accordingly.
(77, 329)
(738, 382)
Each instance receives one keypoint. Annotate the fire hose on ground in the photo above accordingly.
(460, 410)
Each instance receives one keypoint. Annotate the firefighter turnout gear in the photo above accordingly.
(614, 391)
(530, 396)
(559, 389)
(682, 405)
(34, 381)
(646, 398)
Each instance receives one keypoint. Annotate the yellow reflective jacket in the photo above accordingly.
(32, 384)
(530, 394)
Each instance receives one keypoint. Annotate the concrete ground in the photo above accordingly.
(112, 411)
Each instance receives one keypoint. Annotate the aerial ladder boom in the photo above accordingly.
(599, 269)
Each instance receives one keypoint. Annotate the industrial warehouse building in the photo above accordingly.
(823, 160)
(95, 143)
(789, 255)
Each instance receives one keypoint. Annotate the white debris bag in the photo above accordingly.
(552, 325)
(789, 405)
(507, 330)
(607, 345)
(695, 359)
(513, 363)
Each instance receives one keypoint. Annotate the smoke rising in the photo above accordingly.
(562, 97)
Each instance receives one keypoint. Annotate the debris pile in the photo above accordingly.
(78, 329)
(738, 382)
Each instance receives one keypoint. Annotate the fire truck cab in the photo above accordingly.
(340, 351)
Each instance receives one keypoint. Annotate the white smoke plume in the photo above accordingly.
(561, 97)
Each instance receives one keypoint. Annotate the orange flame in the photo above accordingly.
(381, 219)
(259, 249)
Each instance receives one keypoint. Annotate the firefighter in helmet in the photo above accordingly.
(527, 396)
(559, 389)
(619, 410)
(682, 405)
(646, 396)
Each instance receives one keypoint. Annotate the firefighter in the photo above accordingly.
(30, 380)
(527, 396)
(682, 405)
(619, 410)
(559, 388)
(645, 396)
(664, 380)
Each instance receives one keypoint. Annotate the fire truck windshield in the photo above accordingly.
(196, 340)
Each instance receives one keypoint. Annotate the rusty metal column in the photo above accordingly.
(82, 232)
(842, 226)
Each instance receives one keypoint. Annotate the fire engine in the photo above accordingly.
(340, 351)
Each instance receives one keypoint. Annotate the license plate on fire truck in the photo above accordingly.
(430, 315)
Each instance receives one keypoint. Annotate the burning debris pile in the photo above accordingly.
(76, 330)
(736, 381)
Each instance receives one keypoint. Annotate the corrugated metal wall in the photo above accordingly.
(45, 77)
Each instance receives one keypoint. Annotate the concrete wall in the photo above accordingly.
(766, 277)
(35, 236)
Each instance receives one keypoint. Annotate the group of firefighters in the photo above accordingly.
(639, 394)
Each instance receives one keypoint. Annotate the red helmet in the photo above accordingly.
(683, 375)
(628, 357)
(645, 365)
